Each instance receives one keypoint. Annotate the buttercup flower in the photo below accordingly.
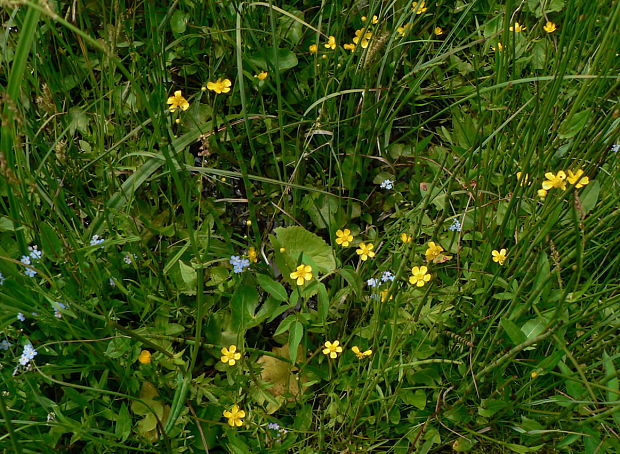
(438, 31)
(523, 179)
(419, 9)
(344, 237)
(500, 47)
(361, 354)
(145, 357)
(177, 102)
(262, 75)
(230, 355)
(362, 35)
(542, 193)
(518, 28)
(384, 295)
(365, 251)
(331, 42)
(332, 349)
(433, 251)
(220, 86)
(302, 274)
(575, 179)
(252, 255)
(313, 48)
(406, 238)
(404, 29)
(554, 180)
(550, 27)
(235, 416)
(375, 19)
(500, 256)
(419, 276)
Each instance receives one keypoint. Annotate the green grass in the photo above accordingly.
(483, 358)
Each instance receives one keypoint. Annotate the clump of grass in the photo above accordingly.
(223, 230)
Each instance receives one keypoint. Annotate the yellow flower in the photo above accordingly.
(331, 42)
(523, 181)
(332, 349)
(419, 276)
(518, 28)
(438, 31)
(404, 29)
(360, 354)
(303, 274)
(384, 295)
(575, 178)
(220, 86)
(313, 48)
(554, 180)
(542, 193)
(145, 357)
(419, 9)
(344, 237)
(433, 251)
(364, 36)
(252, 255)
(500, 47)
(499, 257)
(177, 102)
(375, 19)
(550, 27)
(230, 355)
(365, 251)
(262, 75)
(406, 238)
(349, 46)
(235, 416)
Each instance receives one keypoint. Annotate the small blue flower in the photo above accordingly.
(35, 254)
(239, 264)
(129, 258)
(372, 282)
(57, 306)
(456, 226)
(28, 355)
(615, 148)
(4, 345)
(30, 272)
(2, 279)
(387, 276)
(112, 283)
(273, 426)
(387, 184)
(21, 317)
(96, 240)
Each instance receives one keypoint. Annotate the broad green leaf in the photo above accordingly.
(178, 22)
(589, 196)
(571, 126)
(188, 274)
(294, 339)
(275, 289)
(491, 406)
(534, 327)
(514, 333)
(297, 241)
(270, 57)
(523, 449)
(244, 302)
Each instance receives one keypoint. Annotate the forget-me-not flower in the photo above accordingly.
(239, 264)
(28, 355)
(21, 317)
(387, 184)
(387, 276)
(57, 307)
(129, 258)
(372, 282)
(2, 279)
(35, 254)
(456, 226)
(96, 240)
(4, 345)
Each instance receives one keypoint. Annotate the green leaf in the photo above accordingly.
(523, 449)
(244, 302)
(491, 406)
(353, 279)
(419, 399)
(270, 57)
(178, 22)
(275, 289)
(589, 196)
(534, 327)
(123, 423)
(188, 274)
(294, 339)
(514, 333)
(571, 126)
(323, 303)
(297, 241)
